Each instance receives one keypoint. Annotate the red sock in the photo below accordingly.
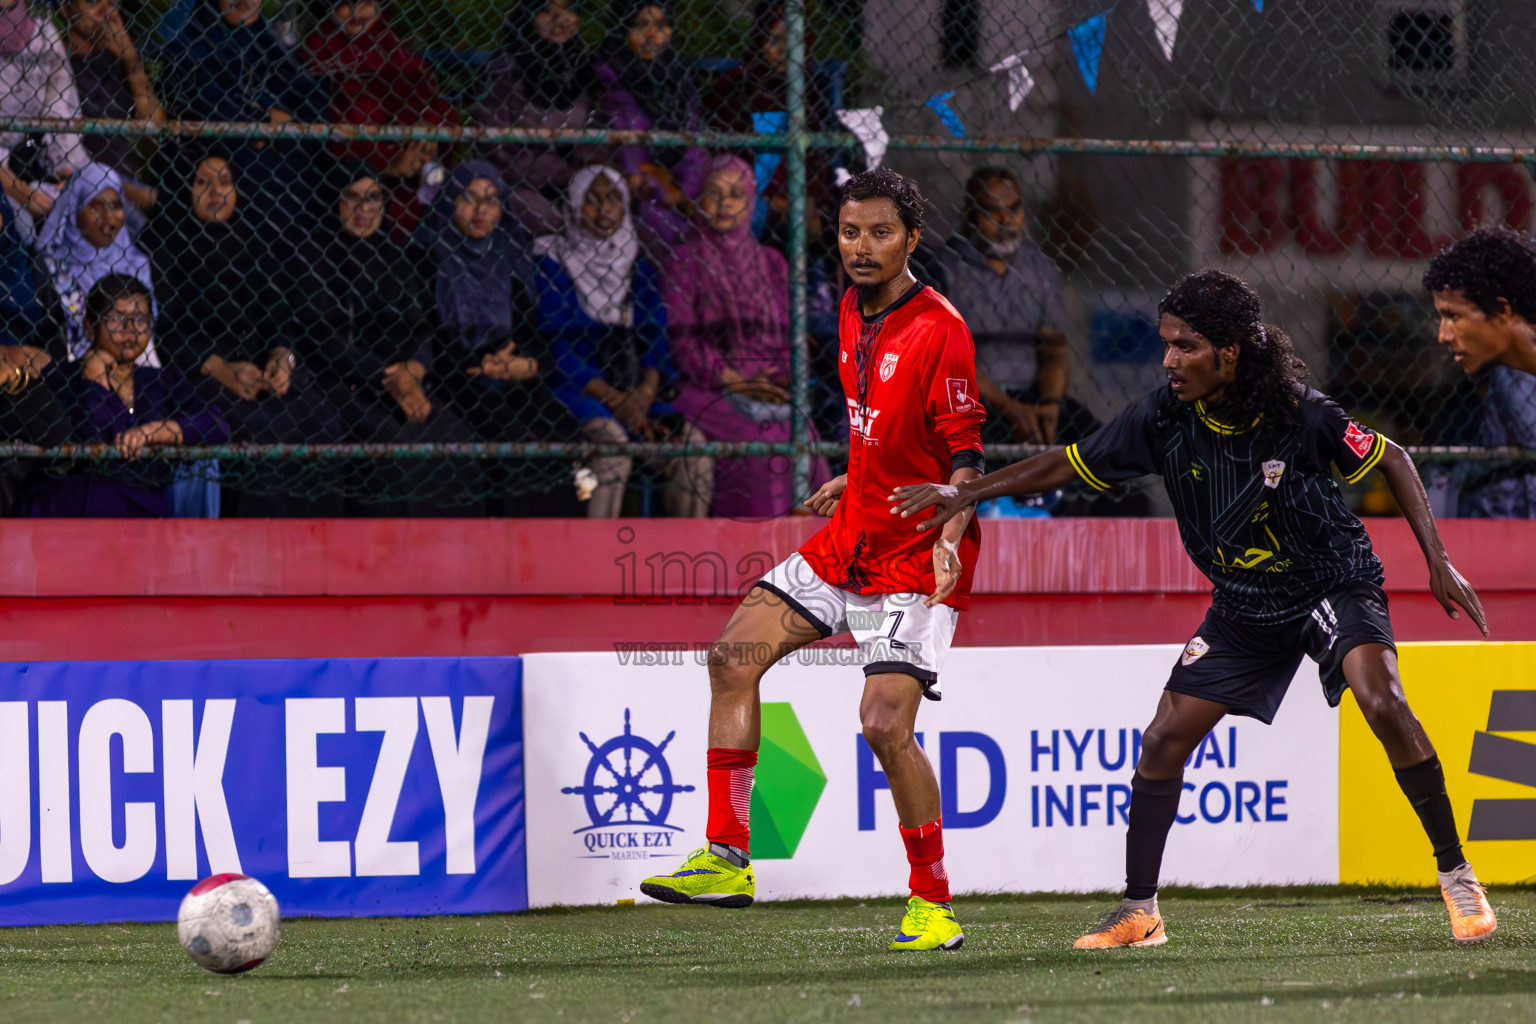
(925, 852)
(730, 796)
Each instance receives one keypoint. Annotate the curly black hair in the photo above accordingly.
(884, 183)
(1271, 377)
(1490, 266)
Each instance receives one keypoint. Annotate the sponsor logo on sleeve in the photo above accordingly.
(1358, 439)
(960, 399)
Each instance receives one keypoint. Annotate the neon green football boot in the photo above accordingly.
(704, 878)
(928, 926)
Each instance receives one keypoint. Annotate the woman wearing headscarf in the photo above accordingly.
(754, 95)
(376, 79)
(540, 78)
(646, 86)
(601, 308)
(227, 65)
(112, 82)
(35, 81)
(83, 240)
(727, 299)
(222, 318)
(489, 346)
(116, 399)
(363, 329)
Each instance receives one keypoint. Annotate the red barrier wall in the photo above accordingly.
(97, 589)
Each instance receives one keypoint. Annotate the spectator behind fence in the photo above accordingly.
(363, 327)
(727, 299)
(600, 306)
(1507, 419)
(227, 65)
(376, 79)
(112, 83)
(21, 314)
(84, 240)
(647, 86)
(490, 348)
(222, 320)
(540, 78)
(118, 401)
(30, 412)
(737, 102)
(1011, 297)
(35, 81)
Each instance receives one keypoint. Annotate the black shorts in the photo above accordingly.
(1248, 667)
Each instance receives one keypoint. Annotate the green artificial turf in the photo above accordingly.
(1256, 956)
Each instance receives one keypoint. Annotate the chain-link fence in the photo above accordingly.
(435, 257)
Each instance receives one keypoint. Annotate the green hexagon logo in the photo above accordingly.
(788, 783)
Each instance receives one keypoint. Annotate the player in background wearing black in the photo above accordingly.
(1485, 292)
(1244, 449)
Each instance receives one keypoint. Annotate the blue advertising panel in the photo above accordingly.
(351, 787)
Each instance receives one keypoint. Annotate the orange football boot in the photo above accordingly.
(1472, 918)
(1133, 923)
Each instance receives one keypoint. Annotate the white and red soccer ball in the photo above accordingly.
(228, 923)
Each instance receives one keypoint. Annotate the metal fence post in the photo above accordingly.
(799, 356)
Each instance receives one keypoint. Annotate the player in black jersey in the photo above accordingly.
(1485, 292)
(1244, 448)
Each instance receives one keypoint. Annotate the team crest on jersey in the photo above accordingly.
(1359, 441)
(960, 399)
(1272, 470)
(845, 355)
(888, 366)
(1194, 650)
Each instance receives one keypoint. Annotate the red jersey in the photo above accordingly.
(909, 377)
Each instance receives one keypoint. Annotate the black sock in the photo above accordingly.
(1424, 786)
(1154, 805)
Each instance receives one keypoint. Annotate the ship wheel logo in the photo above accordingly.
(628, 782)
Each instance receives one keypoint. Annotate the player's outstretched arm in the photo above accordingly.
(1444, 581)
(1044, 472)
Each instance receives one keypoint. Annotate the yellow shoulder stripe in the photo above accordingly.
(1076, 458)
(1370, 461)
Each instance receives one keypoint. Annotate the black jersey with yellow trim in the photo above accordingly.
(1259, 510)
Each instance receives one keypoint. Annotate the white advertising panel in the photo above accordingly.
(1033, 748)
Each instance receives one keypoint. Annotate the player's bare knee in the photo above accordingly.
(886, 731)
(1162, 753)
(732, 667)
(1384, 707)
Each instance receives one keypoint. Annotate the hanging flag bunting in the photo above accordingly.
(1165, 22)
(1088, 47)
(1019, 80)
(939, 104)
(864, 123)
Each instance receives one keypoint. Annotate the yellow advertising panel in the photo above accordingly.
(1478, 704)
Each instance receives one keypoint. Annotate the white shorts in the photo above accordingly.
(895, 632)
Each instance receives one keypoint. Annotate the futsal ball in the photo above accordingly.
(228, 923)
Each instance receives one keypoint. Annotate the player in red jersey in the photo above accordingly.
(908, 368)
